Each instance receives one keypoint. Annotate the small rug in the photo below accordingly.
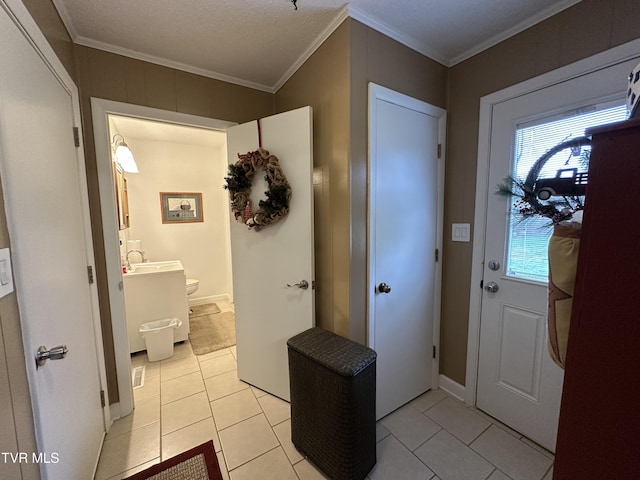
(199, 463)
(209, 333)
(206, 309)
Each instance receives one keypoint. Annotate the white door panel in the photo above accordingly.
(47, 214)
(404, 201)
(264, 262)
(518, 383)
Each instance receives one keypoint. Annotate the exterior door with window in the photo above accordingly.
(518, 383)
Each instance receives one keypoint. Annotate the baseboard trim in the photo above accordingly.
(210, 299)
(452, 387)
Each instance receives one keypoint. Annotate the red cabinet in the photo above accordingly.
(599, 428)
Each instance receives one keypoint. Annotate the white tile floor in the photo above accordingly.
(190, 399)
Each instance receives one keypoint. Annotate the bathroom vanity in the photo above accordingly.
(153, 291)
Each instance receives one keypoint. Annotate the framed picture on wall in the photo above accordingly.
(181, 207)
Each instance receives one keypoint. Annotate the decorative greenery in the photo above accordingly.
(239, 182)
(528, 204)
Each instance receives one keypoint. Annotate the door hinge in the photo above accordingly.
(439, 150)
(90, 273)
(434, 351)
(481, 284)
(437, 254)
(103, 402)
(76, 136)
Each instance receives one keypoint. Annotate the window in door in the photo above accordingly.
(527, 240)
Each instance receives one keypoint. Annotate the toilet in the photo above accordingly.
(192, 285)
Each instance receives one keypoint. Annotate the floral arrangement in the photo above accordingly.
(564, 203)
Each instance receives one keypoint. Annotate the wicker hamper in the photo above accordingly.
(333, 403)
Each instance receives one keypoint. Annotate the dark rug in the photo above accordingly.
(199, 463)
(209, 333)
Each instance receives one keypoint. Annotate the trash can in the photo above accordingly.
(333, 403)
(158, 337)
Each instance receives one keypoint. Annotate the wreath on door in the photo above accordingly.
(275, 206)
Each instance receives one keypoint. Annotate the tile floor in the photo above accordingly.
(188, 399)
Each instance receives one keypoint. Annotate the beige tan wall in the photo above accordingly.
(114, 77)
(51, 25)
(323, 83)
(587, 28)
(377, 58)
(334, 82)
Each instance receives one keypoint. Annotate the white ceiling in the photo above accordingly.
(261, 43)
(142, 129)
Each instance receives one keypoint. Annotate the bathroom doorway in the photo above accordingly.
(171, 151)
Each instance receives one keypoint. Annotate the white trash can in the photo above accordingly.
(158, 337)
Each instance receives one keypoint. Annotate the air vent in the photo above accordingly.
(137, 377)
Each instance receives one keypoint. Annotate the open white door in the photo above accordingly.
(46, 205)
(268, 312)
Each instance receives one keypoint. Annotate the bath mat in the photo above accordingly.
(199, 463)
(209, 333)
(206, 309)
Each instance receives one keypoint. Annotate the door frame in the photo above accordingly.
(100, 110)
(23, 19)
(569, 72)
(378, 92)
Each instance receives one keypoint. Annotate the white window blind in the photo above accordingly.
(528, 240)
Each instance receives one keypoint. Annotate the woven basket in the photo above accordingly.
(333, 392)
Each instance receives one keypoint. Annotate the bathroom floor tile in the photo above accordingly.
(147, 411)
(451, 459)
(395, 461)
(170, 369)
(184, 412)
(216, 366)
(182, 350)
(150, 388)
(428, 399)
(181, 387)
(275, 409)
(410, 426)
(512, 456)
(458, 419)
(210, 355)
(381, 432)
(247, 440)
(135, 470)
(273, 464)
(141, 446)
(224, 384)
(283, 432)
(307, 471)
(234, 408)
(189, 437)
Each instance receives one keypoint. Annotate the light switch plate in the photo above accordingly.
(460, 232)
(6, 277)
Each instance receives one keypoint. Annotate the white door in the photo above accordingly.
(518, 383)
(267, 311)
(404, 235)
(46, 206)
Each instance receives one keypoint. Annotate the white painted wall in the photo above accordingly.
(203, 248)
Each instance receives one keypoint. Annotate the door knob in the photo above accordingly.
(56, 353)
(491, 287)
(303, 284)
(384, 288)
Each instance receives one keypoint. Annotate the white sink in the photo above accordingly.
(155, 267)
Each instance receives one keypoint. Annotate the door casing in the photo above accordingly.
(100, 110)
(610, 57)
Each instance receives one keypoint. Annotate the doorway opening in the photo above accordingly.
(139, 123)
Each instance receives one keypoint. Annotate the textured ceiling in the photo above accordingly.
(260, 43)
